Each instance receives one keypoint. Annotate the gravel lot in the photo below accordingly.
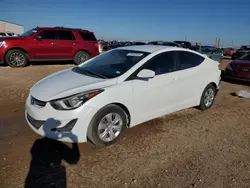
(185, 149)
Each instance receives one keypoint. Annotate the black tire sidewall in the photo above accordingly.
(13, 51)
(79, 53)
(93, 127)
(202, 105)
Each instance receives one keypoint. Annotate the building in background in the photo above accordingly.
(8, 27)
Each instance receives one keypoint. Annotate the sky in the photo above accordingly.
(143, 20)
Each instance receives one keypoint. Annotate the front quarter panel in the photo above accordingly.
(120, 93)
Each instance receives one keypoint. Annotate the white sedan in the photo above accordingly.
(119, 89)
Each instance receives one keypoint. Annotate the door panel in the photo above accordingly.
(190, 73)
(43, 48)
(157, 96)
(64, 45)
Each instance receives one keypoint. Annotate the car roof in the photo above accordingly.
(145, 48)
(64, 28)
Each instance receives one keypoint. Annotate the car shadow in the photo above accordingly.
(46, 168)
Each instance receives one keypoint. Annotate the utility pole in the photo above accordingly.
(216, 42)
(185, 38)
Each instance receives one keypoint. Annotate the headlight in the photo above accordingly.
(2, 43)
(73, 102)
(229, 67)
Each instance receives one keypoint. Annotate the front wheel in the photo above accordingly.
(107, 126)
(208, 97)
(81, 57)
(16, 58)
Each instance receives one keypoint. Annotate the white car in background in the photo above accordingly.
(4, 34)
(119, 89)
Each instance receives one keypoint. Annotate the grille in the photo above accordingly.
(35, 123)
(35, 101)
(241, 69)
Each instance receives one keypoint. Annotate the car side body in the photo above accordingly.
(49, 44)
(141, 99)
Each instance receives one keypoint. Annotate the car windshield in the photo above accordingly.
(245, 57)
(112, 64)
(28, 33)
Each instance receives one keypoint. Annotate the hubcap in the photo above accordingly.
(81, 58)
(17, 58)
(110, 127)
(209, 97)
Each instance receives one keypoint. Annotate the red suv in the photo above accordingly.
(48, 44)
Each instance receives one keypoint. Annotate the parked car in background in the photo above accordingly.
(120, 89)
(164, 43)
(184, 44)
(228, 51)
(238, 69)
(6, 34)
(48, 44)
(134, 43)
(240, 52)
(214, 53)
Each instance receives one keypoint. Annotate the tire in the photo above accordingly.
(204, 104)
(81, 57)
(21, 61)
(94, 134)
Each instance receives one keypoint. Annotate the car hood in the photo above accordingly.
(241, 64)
(11, 38)
(66, 83)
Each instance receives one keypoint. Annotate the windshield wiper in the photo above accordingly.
(94, 73)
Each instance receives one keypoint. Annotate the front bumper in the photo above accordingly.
(68, 126)
(2, 55)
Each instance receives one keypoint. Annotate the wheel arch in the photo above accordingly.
(84, 50)
(16, 48)
(125, 109)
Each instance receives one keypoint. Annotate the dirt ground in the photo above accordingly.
(186, 149)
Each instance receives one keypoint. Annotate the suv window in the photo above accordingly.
(47, 35)
(87, 36)
(162, 63)
(64, 35)
(188, 60)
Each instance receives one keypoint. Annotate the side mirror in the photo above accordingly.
(38, 37)
(146, 74)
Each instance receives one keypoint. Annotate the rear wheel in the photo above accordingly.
(16, 58)
(107, 126)
(208, 97)
(81, 57)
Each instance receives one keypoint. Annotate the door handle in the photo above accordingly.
(53, 43)
(74, 44)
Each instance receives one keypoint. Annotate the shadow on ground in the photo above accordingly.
(238, 82)
(46, 168)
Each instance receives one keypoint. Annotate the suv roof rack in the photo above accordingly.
(72, 28)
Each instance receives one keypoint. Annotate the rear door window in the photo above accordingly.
(64, 35)
(188, 60)
(87, 36)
